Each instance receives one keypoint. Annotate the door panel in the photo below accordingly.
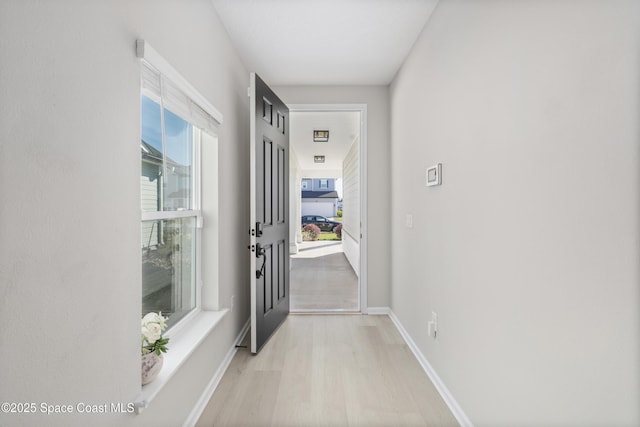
(266, 183)
(269, 212)
(282, 174)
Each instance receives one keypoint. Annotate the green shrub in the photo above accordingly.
(339, 213)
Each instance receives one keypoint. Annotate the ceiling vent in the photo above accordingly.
(318, 159)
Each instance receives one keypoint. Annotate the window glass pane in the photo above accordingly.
(168, 267)
(166, 182)
(179, 163)
(151, 148)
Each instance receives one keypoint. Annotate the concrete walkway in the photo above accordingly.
(322, 279)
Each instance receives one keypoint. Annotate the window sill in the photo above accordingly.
(181, 347)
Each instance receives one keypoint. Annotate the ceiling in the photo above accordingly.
(344, 129)
(324, 42)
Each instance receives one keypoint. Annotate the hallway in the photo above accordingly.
(337, 370)
(322, 279)
(525, 260)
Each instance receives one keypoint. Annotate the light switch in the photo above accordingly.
(434, 175)
(408, 221)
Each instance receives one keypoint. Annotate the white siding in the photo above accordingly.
(351, 206)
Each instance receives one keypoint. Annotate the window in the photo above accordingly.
(172, 133)
(324, 184)
(305, 184)
(170, 211)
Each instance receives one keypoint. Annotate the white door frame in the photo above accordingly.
(364, 237)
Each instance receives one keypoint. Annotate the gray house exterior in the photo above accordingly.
(319, 197)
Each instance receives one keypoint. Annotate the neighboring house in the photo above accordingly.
(150, 188)
(318, 184)
(319, 197)
(170, 193)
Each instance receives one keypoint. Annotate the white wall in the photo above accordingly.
(351, 206)
(529, 251)
(70, 217)
(377, 100)
(295, 202)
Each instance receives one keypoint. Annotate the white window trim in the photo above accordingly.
(159, 215)
(194, 212)
(182, 346)
(190, 331)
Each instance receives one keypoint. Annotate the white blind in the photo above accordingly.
(157, 86)
(151, 82)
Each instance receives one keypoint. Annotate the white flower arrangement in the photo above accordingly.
(153, 324)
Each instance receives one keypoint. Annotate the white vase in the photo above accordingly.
(151, 366)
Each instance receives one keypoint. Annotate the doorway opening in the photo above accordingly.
(328, 208)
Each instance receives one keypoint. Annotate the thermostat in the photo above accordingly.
(434, 175)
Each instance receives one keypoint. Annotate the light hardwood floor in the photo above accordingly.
(322, 279)
(328, 370)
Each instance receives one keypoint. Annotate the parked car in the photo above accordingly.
(322, 222)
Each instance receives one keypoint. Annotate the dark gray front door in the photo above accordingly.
(269, 212)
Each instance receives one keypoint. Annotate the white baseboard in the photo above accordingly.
(435, 379)
(378, 311)
(200, 406)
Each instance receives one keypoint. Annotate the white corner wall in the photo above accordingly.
(377, 100)
(295, 202)
(70, 216)
(529, 251)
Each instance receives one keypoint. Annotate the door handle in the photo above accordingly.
(261, 252)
